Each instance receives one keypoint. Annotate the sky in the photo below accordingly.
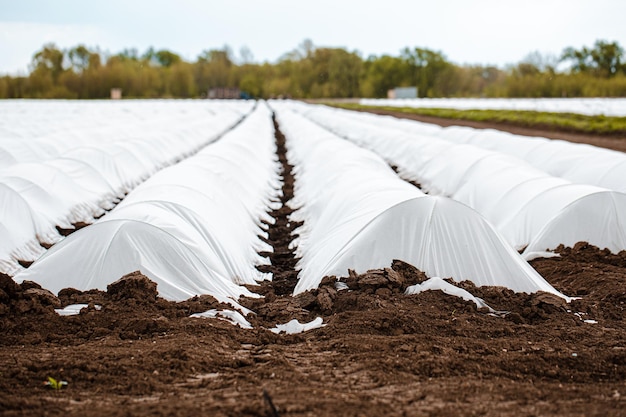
(488, 32)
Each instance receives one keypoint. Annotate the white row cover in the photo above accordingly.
(531, 209)
(52, 180)
(359, 215)
(32, 130)
(576, 162)
(588, 106)
(192, 228)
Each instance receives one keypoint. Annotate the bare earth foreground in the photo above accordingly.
(380, 353)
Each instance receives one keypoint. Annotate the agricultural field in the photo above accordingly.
(196, 257)
(580, 120)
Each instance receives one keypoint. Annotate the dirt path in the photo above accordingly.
(282, 258)
(609, 142)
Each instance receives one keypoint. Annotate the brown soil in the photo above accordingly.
(380, 353)
(281, 232)
(617, 143)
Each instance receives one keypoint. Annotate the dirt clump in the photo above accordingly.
(27, 297)
(133, 286)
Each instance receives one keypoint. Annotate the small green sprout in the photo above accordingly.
(54, 384)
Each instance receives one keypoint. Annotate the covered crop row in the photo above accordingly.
(531, 208)
(581, 163)
(193, 228)
(76, 161)
(359, 215)
(588, 106)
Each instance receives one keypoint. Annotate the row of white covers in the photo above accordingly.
(587, 106)
(64, 180)
(37, 130)
(359, 215)
(575, 162)
(193, 228)
(531, 209)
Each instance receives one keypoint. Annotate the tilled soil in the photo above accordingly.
(381, 352)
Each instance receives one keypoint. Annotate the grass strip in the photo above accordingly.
(570, 122)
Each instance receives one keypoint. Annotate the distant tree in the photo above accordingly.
(542, 62)
(306, 48)
(384, 73)
(314, 72)
(5, 82)
(426, 67)
(166, 58)
(180, 81)
(83, 80)
(79, 58)
(222, 56)
(604, 59)
(607, 57)
(344, 73)
(302, 51)
(252, 83)
(245, 55)
(49, 60)
(214, 69)
(130, 54)
(327, 72)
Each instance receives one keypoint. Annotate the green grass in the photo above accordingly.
(570, 122)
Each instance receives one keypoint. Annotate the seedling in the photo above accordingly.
(54, 384)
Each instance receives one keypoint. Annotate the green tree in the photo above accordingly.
(344, 73)
(214, 69)
(604, 59)
(426, 67)
(384, 73)
(79, 58)
(167, 58)
(180, 80)
(49, 60)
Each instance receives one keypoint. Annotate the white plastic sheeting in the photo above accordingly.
(359, 215)
(192, 228)
(63, 163)
(295, 327)
(100, 254)
(580, 163)
(74, 309)
(233, 317)
(531, 209)
(575, 162)
(588, 106)
(436, 283)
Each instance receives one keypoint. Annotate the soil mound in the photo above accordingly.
(133, 286)
(25, 298)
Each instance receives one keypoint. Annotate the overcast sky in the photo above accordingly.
(496, 32)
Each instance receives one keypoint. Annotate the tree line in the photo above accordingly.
(315, 72)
